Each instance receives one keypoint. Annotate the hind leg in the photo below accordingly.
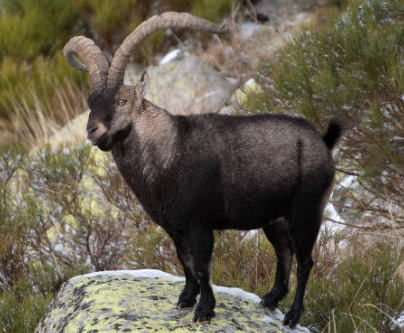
(278, 234)
(304, 225)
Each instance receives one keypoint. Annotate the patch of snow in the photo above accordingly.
(333, 214)
(170, 56)
(233, 81)
(140, 273)
(249, 82)
(60, 248)
(399, 322)
(250, 234)
(248, 29)
(397, 139)
(348, 181)
(237, 292)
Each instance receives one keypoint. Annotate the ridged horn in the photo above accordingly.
(95, 62)
(153, 24)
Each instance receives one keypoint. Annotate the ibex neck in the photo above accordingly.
(152, 144)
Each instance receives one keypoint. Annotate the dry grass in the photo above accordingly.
(31, 126)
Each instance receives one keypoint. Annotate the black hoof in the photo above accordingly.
(203, 316)
(270, 301)
(292, 318)
(186, 304)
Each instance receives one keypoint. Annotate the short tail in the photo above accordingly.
(333, 133)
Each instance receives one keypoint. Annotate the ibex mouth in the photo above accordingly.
(96, 141)
(101, 142)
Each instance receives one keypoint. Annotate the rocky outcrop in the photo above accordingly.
(144, 301)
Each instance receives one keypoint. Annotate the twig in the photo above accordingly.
(350, 225)
(251, 9)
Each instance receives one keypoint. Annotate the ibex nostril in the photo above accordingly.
(92, 130)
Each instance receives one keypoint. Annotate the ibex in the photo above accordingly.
(198, 173)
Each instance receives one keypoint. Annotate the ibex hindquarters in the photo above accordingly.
(200, 173)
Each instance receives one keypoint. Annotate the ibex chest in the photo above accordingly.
(150, 183)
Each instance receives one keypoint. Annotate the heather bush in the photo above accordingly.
(21, 315)
(363, 293)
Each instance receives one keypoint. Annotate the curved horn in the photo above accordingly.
(153, 24)
(95, 62)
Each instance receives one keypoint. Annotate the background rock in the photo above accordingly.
(185, 85)
(144, 301)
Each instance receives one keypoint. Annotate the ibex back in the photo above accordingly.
(194, 174)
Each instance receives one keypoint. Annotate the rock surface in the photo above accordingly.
(144, 301)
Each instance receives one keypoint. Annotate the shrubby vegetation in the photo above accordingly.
(362, 293)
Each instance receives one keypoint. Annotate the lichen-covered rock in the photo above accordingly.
(144, 301)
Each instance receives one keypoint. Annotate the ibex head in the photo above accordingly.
(114, 106)
(113, 112)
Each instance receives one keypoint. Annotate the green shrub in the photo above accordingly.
(243, 260)
(13, 226)
(32, 28)
(213, 10)
(21, 316)
(361, 294)
(335, 68)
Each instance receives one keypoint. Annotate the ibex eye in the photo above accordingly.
(121, 102)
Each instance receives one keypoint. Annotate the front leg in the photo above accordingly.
(202, 246)
(187, 298)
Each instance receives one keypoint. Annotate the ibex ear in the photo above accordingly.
(142, 85)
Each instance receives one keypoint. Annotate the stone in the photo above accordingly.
(145, 301)
(184, 85)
